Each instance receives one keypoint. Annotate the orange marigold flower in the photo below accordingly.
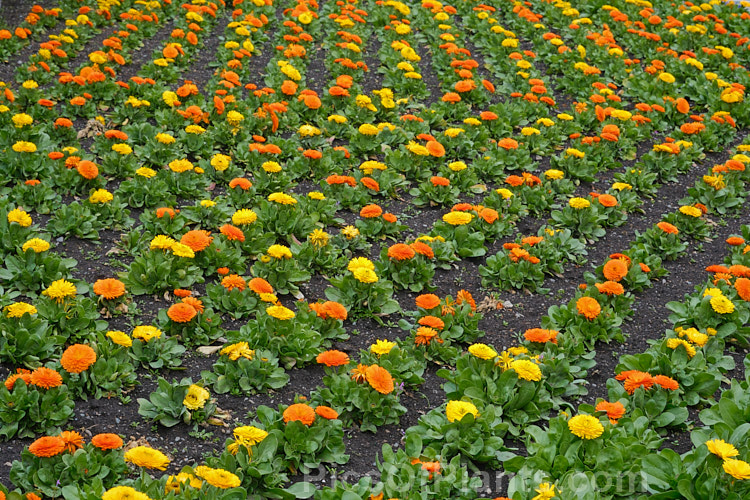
(327, 412)
(259, 285)
(638, 379)
(465, 296)
(222, 271)
(196, 304)
(21, 373)
(425, 335)
(607, 200)
(77, 358)
(162, 211)
(232, 233)
(735, 241)
(107, 441)
(666, 382)
(370, 183)
(181, 293)
(489, 215)
(389, 217)
(334, 310)
(588, 307)
(541, 335)
(371, 211)
(423, 249)
(379, 379)
(615, 270)
(333, 357)
(507, 144)
(47, 446)
(299, 412)
(401, 251)
(109, 288)
(739, 271)
(46, 378)
(742, 285)
(437, 180)
(359, 374)
(428, 301)
(87, 169)
(240, 182)
(610, 288)
(435, 149)
(197, 239)
(432, 322)
(181, 312)
(614, 411)
(233, 281)
(668, 228)
(73, 440)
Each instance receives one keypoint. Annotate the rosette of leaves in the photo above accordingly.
(141, 192)
(293, 342)
(305, 447)
(506, 270)
(54, 476)
(29, 272)
(162, 221)
(578, 333)
(669, 246)
(400, 362)
(166, 404)
(285, 219)
(76, 220)
(157, 353)
(585, 223)
(363, 299)
(111, 374)
(41, 198)
(720, 193)
(28, 410)
(557, 453)
(358, 403)
(246, 376)
(401, 474)
(235, 302)
(517, 401)
(27, 341)
(434, 193)
(476, 440)
(260, 467)
(412, 273)
(326, 259)
(77, 320)
(328, 327)
(201, 330)
(284, 273)
(697, 310)
(157, 271)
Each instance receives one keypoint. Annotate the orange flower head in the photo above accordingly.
(638, 379)
(107, 441)
(371, 211)
(540, 335)
(379, 379)
(610, 288)
(46, 378)
(588, 307)
(614, 411)
(428, 301)
(615, 270)
(432, 322)
(423, 249)
(87, 169)
(78, 358)
(181, 312)
(607, 200)
(425, 335)
(742, 285)
(299, 412)
(197, 239)
(326, 412)
(232, 233)
(233, 281)
(109, 288)
(196, 304)
(73, 440)
(333, 357)
(22, 374)
(400, 252)
(666, 382)
(668, 228)
(465, 296)
(334, 310)
(47, 446)
(359, 374)
(435, 149)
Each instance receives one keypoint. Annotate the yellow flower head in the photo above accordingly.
(585, 426)
(457, 410)
(60, 290)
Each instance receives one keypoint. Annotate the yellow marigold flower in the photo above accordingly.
(21, 120)
(691, 211)
(546, 491)
(472, 121)
(318, 238)
(149, 458)
(554, 174)
(124, 492)
(221, 478)
(282, 198)
(164, 138)
(457, 410)
(666, 77)
(721, 448)
(482, 351)
(220, 162)
(120, 338)
(60, 290)
(146, 333)
(195, 129)
(526, 370)
(527, 131)
(545, 121)
(38, 245)
(575, 152)
(381, 347)
(505, 193)
(243, 217)
(622, 186)
(674, 343)
(279, 252)
(579, 203)
(457, 166)
(280, 312)
(738, 469)
(453, 132)
(180, 166)
(417, 149)
(368, 129)
(122, 149)
(24, 147)
(696, 337)
(457, 218)
(29, 84)
(101, 196)
(722, 305)
(271, 167)
(181, 250)
(715, 181)
(585, 426)
(237, 351)
(308, 131)
(364, 275)
(162, 242)
(234, 118)
(316, 195)
(18, 309)
(170, 98)
(369, 166)
(146, 172)
(350, 232)
(337, 119)
(196, 397)
(360, 262)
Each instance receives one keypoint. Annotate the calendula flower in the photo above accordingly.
(381, 347)
(579, 203)
(38, 245)
(180, 166)
(78, 358)
(149, 458)
(457, 410)
(350, 232)
(120, 338)
(19, 217)
(244, 217)
(722, 449)
(271, 167)
(237, 351)
(101, 196)
(282, 198)
(526, 370)
(482, 351)
(585, 426)
(60, 290)
(722, 305)
(24, 147)
(47, 446)
(280, 312)
(146, 333)
(457, 218)
(379, 379)
(182, 250)
(196, 397)
(738, 469)
(18, 309)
